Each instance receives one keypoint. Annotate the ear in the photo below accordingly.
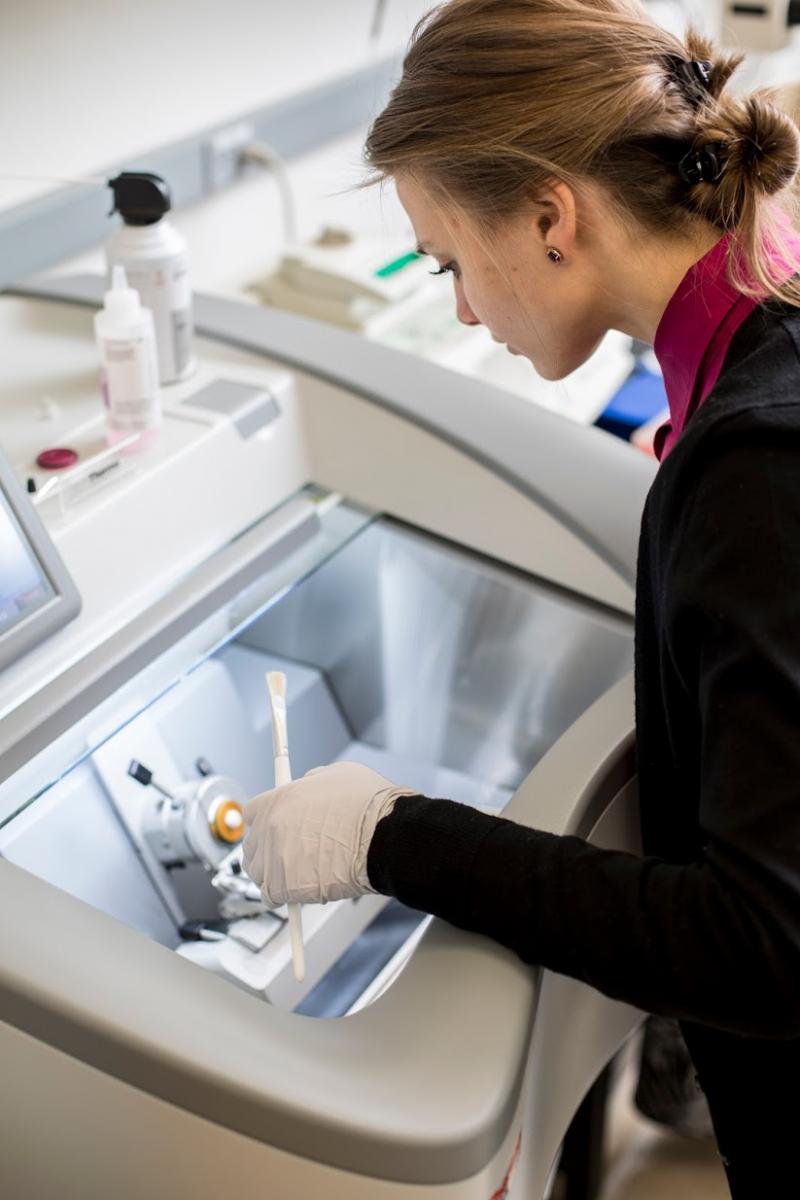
(556, 216)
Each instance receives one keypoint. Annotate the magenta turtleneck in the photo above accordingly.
(695, 332)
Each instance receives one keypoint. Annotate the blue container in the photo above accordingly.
(641, 397)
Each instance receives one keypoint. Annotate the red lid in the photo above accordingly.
(56, 459)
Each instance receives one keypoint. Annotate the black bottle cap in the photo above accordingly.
(139, 197)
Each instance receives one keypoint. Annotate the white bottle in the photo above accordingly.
(129, 369)
(154, 256)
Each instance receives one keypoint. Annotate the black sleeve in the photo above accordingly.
(718, 940)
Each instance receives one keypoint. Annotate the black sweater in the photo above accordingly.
(705, 926)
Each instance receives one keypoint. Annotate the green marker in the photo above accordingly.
(396, 265)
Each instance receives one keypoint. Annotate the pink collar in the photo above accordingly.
(697, 328)
(693, 338)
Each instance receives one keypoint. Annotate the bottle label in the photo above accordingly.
(130, 384)
(181, 338)
(163, 285)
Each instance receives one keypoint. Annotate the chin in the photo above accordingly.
(554, 370)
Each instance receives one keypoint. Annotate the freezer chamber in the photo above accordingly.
(442, 669)
(439, 669)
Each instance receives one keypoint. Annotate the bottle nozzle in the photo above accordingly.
(122, 301)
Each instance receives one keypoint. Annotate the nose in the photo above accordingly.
(463, 311)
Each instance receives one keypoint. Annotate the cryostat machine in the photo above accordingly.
(443, 572)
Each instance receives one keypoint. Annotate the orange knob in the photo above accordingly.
(227, 822)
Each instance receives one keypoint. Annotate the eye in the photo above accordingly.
(450, 268)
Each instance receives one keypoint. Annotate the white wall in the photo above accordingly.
(236, 237)
(84, 83)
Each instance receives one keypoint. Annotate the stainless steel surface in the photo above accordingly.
(441, 657)
(442, 671)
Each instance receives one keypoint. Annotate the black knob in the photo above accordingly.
(140, 773)
(144, 776)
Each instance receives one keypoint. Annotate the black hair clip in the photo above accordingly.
(695, 76)
(703, 165)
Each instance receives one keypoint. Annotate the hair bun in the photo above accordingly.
(763, 147)
(760, 155)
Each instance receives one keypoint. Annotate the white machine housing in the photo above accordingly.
(444, 572)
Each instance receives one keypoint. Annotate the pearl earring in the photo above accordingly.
(554, 255)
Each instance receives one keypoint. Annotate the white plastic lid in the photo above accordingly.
(122, 302)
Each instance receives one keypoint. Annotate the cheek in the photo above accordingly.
(489, 297)
(559, 322)
(502, 313)
(570, 344)
(522, 305)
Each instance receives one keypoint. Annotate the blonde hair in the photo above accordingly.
(497, 97)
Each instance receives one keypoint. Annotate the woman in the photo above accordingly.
(576, 169)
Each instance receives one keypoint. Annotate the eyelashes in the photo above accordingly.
(448, 269)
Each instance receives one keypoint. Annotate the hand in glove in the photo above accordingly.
(308, 841)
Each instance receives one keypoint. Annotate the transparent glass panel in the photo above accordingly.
(338, 524)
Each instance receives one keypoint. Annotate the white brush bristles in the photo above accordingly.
(276, 682)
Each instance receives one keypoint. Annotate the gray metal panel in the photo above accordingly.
(591, 482)
(40, 232)
(400, 1090)
(250, 407)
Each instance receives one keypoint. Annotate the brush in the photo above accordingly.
(276, 686)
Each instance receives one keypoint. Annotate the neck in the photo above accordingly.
(643, 275)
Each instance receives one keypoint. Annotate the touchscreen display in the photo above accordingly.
(24, 586)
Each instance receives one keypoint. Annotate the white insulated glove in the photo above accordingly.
(308, 840)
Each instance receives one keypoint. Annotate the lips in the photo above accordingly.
(500, 342)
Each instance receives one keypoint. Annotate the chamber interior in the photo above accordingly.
(443, 671)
